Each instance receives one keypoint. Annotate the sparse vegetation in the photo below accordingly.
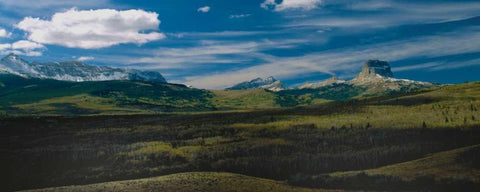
(294, 144)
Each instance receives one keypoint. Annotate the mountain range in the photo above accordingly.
(77, 88)
(376, 77)
(73, 71)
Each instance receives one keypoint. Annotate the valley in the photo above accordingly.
(295, 145)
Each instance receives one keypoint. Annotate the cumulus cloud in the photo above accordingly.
(290, 4)
(85, 58)
(204, 9)
(22, 47)
(90, 29)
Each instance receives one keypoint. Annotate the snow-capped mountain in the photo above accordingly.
(73, 71)
(269, 83)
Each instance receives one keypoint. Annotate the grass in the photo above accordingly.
(244, 99)
(273, 142)
(192, 181)
(449, 106)
(82, 103)
(441, 165)
(49, 97)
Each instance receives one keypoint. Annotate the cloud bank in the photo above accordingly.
(91, 29)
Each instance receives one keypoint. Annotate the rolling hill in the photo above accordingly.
(19, 95)
(453, 170)
(192, 181)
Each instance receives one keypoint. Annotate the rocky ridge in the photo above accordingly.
(73, 71)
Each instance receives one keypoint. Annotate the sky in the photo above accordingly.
(215, 44)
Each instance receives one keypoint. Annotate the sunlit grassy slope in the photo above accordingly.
(455, 105)
(42, 96)
(457, 163)
(244, 99)
(192, 181)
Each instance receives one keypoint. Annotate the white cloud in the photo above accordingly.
(85, 58)
(90, 29)
(4, 33)
(26, 45)
(239, 16)
(5, 46)
(204, 9)
(291, 4)
(22, 47)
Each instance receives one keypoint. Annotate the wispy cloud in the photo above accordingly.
(239, 16)
(290, 4)
(219, 34)
(393, 14)
(85, 58)
(347, 62)
(416, 66)
(211, 52)
(204, 9)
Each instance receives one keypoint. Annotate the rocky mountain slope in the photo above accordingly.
(73, 71)
(269, 83)
(376, 77)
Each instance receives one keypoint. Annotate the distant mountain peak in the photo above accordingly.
(374, 68)
(12, 57)
(73, 71)
(269, 83)
(376, 77)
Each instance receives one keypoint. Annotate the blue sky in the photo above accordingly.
(217, 43)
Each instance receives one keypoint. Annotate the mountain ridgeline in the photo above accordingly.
(73, 71)
(376, 78)
(77, 88)
(268, 83)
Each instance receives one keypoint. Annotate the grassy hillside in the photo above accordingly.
(457, 163)
(454, 170)
(22, 96)
(275, 143)
(244, 99)
(42, 96)
(192, 181)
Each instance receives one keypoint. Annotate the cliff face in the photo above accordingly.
(374, 68)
